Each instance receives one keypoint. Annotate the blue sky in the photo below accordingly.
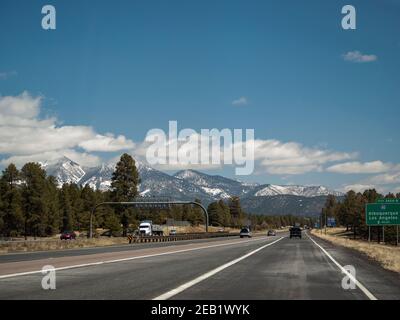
(125, 67)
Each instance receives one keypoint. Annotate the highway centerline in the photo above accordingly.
(352, 278)
(130, 258)
(187, 285)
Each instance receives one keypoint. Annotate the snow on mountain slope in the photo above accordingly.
(215, 185)
(98, 177)
(188, 185)
(304, 191)
(64, 170)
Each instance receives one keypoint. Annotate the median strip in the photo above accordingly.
(209, 274)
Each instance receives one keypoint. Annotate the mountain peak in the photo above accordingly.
(58, 161)
(188, 173)
(190, 184)
(64, 170)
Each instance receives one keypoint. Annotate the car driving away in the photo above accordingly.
(245, 232)
(295, 232)
(271, 233)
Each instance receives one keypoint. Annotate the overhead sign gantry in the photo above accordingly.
(147, 203)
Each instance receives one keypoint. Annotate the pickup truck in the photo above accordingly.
(295, 232)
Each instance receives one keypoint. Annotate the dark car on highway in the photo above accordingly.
(295, 232)
(68, 235)
(271, 233)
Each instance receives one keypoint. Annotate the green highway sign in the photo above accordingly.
(382, 214)
(388, 200)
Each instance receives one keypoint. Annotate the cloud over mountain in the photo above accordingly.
(26, 136)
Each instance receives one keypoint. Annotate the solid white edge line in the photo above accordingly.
(209, 274)
(358, 283)
(128, 259)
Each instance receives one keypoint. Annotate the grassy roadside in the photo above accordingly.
(52, 244)
(387, 256)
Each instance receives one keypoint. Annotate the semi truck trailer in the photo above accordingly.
(147, 228)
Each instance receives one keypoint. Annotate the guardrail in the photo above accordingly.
(178, 237)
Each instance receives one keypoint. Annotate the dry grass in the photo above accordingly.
(198, 229)
(387, 256)
(53, 244)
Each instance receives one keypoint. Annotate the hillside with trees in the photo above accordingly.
(32, 205)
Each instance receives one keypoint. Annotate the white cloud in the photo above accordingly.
(7, 74)
(359, 167)
(359, 187)
(383, 183)
(83, 158)
(23, 106)
(24, 136)
(270, 156)
(357, 56)
(242, 101)
(291, 158)
(107, 143)
(384, 179)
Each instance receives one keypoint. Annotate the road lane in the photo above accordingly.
(288, 269)
(383, 283)
(11, 269)
(134, 279)
(292, 269)
(297, 269)
(37, 255)
(211, 273)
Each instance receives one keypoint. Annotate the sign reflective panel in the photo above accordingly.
(382, 214)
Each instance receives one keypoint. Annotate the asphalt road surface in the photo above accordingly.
(234, 268)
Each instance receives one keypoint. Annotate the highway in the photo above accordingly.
(238, 269)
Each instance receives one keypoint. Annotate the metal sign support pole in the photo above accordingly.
(369, 233)
(320, 224)
(383, 234)
(397, 241)
(147, 202)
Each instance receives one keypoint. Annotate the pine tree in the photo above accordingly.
(34, 193)
(112, 222)
(10, 203)
(197, 213)
(124, 183)
(213, 214)
(329, 210)
(53, 204)
(218, 213)
(224, 213)
(88, 198)
(77, 205)
(66, 209)
(236, 212)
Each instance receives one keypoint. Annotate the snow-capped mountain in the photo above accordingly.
(64, 170)
(303, 191)
(98, 177)
(215, 186)
(190, 185)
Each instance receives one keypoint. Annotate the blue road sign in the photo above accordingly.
(331, 222)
